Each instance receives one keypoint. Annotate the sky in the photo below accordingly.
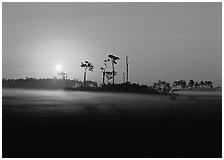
(164, 41)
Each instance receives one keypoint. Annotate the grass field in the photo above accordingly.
(38, 123)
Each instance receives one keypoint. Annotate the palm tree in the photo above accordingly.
(86, 65)
(103, 69)
(113, 59)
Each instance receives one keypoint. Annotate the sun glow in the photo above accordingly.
(58, 68)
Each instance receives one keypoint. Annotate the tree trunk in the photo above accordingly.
(103, 77)
(113, 71)
(85, 77)
(108, 81)
(127, 68)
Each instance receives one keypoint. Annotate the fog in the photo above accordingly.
(49, 102)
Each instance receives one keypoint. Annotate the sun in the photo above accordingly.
(58, 67)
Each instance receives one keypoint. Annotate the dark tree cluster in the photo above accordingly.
(49, 83)
(162, 87)
(121, 87)
(128, 87)
(181, 84)
(165, 87)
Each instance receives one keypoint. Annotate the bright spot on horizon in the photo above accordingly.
(58, 67)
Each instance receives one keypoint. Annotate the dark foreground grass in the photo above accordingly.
(180, 128)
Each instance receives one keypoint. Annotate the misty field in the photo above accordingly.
(40, 123)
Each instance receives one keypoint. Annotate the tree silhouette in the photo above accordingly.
(113, 59)
(196, 84)
(176, 84)
(208, 84)
(109, 76)
(64, 75)
(86, 65)
(181, 84)
(201, 84)
(103, 69)
(162, 87)
(191, 83)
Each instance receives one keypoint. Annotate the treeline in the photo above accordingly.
(160, 87)
(121, 87)
(166, 87)
(181, 84)
(48, 83)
